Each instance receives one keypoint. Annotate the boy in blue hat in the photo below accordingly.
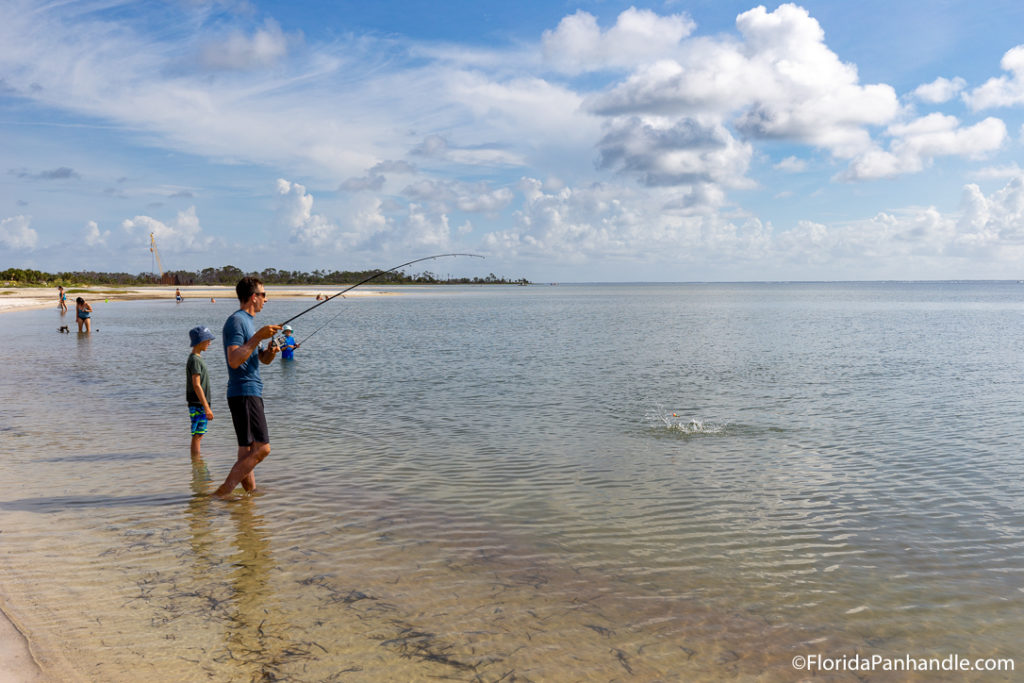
(288, 350)
(197, 388)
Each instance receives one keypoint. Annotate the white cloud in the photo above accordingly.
(477, 197)
(94, 237)
(940, 90)
(994, 220)
(998, 172)
(611, 222)
(791, 165)
(238, 51)
(917, 143)
(614, 223)
(16, 233)
(1003, 91)
(638, 36)
(295, 214)
(675, 152)
(525, 113)
(425, 228)
(780, 82)
(185, 234)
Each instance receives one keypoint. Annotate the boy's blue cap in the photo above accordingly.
(199, 334)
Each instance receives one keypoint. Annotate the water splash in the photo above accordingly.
(689, 426)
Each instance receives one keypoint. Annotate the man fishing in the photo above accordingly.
(245, 387)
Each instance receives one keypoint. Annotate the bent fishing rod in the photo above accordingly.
(362, 282)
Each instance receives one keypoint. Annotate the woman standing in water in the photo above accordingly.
(83, 313)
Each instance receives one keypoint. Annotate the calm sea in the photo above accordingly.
(558, 483)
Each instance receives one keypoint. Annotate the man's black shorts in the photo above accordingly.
(249, 420)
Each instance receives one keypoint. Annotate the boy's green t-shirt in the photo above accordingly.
(196, 366)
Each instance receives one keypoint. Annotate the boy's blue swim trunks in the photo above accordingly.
(198, 416)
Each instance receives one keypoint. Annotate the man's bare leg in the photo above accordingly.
(242, 472)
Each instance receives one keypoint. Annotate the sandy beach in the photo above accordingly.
(28, 298)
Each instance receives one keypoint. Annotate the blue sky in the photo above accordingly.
(583, 141)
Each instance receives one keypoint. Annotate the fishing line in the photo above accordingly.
(361, 282)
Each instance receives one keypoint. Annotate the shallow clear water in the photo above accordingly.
(657, 482)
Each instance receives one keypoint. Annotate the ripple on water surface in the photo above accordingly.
(475, 485)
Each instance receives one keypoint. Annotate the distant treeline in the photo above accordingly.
(229, 275)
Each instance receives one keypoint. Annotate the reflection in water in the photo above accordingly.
(201, 536)
(239, 595)
(256, 630)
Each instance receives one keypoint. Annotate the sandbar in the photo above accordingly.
(29, 298)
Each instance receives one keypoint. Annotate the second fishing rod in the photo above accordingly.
(361, 282)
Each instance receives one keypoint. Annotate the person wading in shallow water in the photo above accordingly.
(83, 314)
(245, 387)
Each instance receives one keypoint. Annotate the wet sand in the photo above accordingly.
(29, 298)
(16, 660)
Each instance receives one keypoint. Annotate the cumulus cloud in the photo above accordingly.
(614, 223)
(779, 82)
(916, 143)
(638, 36)
(238, 51)
(1002, 91)
(295, 214)
(93, 236)
(426, 228)
(16, 233)
(940, 90)
(994, 220)
(680, 152)
(184, 234)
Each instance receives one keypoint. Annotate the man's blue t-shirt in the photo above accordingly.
(287, 352)
(245, 379)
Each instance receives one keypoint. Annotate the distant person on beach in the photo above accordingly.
(62, 300)
(177, 295)
(245, 387)
(83, 313)
(288, 350)
(197, 386)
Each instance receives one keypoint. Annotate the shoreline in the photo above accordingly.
(35, 298)
(19, 665)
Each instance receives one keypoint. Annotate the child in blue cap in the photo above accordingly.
(288, 349)
(197, 388)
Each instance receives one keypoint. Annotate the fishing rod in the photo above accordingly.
(362, 282)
